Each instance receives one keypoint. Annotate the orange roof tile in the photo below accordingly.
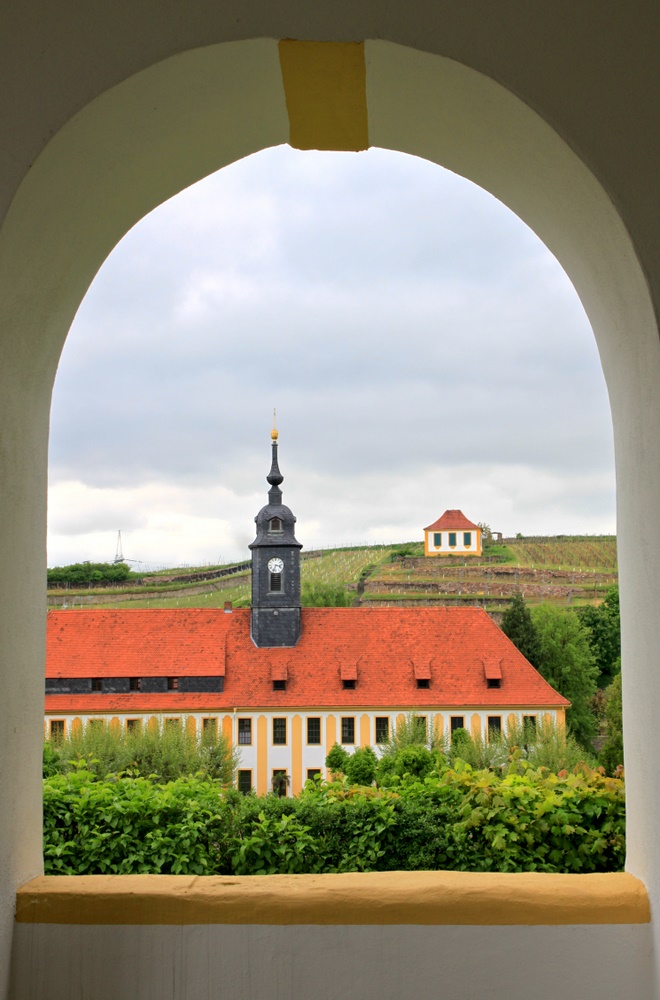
(452, 520)
(136, 642)
(454, 642)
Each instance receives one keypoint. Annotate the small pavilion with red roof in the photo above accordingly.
(452, 535)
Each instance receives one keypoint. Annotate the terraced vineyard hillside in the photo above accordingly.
(564, 570)
(598, 554)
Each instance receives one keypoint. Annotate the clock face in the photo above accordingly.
(275, 565)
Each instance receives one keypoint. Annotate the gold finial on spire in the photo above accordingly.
(274, 433)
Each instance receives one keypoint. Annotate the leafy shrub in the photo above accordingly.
(89, 574)
(454, 818)
(276, 845)
(132, 825)
(410, 761)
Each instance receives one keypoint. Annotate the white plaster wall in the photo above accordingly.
(446, 549)
(55, 962)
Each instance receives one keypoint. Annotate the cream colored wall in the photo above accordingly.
(108, 114)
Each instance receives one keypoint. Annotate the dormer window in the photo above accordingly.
(422, 674)
(279, 674)
(493, 672)
(275, 524)
(348, 673)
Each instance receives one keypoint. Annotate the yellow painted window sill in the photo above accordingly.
(431, 898)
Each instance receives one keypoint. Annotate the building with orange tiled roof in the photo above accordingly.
(284, 683)
(452, 535)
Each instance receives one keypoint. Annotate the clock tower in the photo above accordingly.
(275, 616)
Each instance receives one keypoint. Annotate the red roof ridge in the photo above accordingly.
(450, 520)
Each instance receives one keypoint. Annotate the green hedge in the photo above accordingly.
(458, 819)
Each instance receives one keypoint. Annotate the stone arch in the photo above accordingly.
(146, 138)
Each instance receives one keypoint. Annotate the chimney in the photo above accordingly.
(228, 607)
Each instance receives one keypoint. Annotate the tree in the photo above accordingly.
(337, 759)
(361, 766)
(567, 663)
(611, 755)
(604, 624)
(518, 626)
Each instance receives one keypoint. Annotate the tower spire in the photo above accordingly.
(274, 477)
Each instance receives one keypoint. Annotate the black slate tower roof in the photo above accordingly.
(275, 617)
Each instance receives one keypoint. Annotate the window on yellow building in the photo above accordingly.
(245, 732)
(279, 732)
(494, 726)
(437, 539)
(312, 773)
(452, 539)
(57, 730)
(382, 729)
(210, 728)
(529, 725)
(280, 782)
(457, 722)
(244, 782)
(348, 730)
(133, 726)
(314, 731)
(467, 539)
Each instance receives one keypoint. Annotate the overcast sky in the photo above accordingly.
(423, 349)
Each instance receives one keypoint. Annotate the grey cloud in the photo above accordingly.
(394, 313)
